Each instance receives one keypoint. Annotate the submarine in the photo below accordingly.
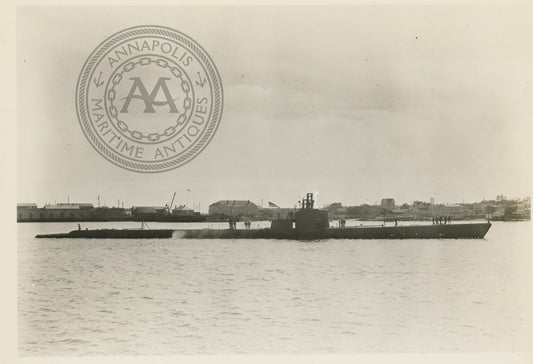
(307, 223)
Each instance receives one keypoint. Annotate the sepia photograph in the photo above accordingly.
(255, 180)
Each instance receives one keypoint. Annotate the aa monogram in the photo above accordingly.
(149, 99)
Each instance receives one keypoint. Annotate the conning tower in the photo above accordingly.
(309, 218)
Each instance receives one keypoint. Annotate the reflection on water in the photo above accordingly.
(101, 297)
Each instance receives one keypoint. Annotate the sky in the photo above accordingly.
(356, 103)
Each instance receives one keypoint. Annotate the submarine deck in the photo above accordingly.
(450, 231)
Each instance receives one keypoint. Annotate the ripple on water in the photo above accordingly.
(177, 297)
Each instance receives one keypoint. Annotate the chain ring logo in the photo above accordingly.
(149, 99)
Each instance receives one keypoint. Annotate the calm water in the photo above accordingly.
(101, 297)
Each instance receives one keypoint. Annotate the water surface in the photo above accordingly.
(151, 297)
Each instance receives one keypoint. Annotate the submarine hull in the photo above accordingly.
(451, 231)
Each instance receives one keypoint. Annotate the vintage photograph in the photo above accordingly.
(268, 179)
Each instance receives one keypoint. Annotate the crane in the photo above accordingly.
(171, 202)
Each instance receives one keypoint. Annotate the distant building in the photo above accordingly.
(66, 206)
(26, 211)
(67, 212)
(148, 211)
(182, 210)
(57, 212)
(524, 206)
(22, 206)
(109, 213)
(421, 205)
(387, 203)
(233, 208)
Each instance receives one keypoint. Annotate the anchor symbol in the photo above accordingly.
(98, 82)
